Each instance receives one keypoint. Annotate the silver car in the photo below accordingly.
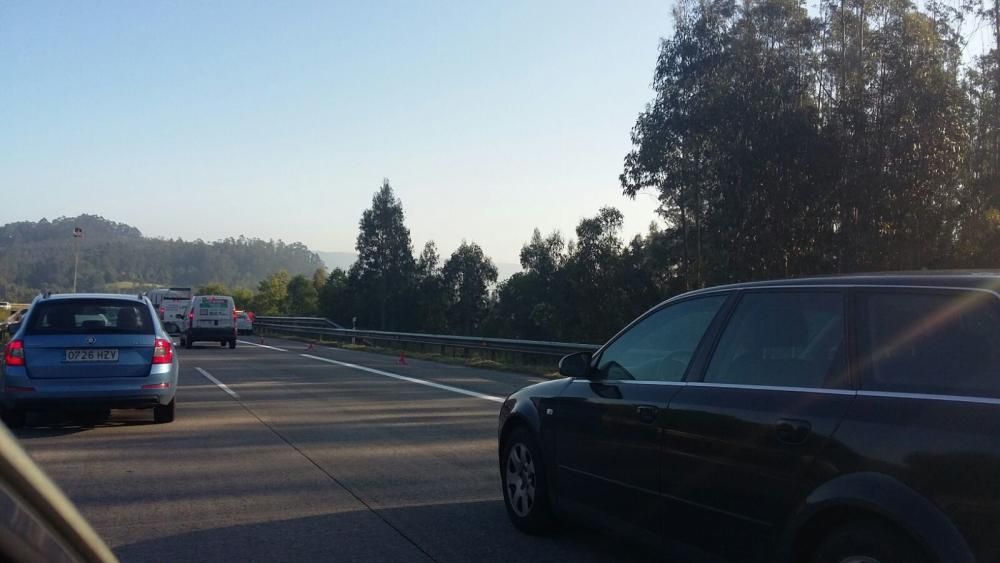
(89, 352)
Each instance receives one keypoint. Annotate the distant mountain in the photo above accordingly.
(39, 255)
(342, 260)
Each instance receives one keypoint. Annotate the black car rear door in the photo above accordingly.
(738, 438)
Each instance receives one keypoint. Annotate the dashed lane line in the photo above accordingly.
(220, 384)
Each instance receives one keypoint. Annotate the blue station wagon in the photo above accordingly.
(92, 353)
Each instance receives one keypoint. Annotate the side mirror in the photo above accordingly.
(171, 328)
(13, 327)
(575, 365)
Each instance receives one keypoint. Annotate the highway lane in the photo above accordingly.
(300, 458)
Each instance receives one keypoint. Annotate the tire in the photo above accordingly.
(222, 343)
(14, 418)
(164, 413)
(525, 494)
(232, 344)
(869, 541)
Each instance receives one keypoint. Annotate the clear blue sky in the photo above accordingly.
(280, 119)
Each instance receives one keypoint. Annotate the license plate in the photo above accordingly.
(93, 355)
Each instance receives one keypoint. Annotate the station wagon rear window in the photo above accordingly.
(940, 343)
(90, 316)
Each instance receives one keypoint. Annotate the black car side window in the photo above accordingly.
(938, 343)
(660, 346)
(788, 339)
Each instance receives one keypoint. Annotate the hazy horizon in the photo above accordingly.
(214, 120)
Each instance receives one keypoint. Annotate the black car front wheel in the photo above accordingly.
(524, 489)
(868, 541)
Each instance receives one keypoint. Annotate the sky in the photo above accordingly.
(280, 119)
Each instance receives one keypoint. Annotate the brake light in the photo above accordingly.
(163, 351)
(13, 353)
(164, 385)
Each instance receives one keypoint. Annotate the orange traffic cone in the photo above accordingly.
(402, 359)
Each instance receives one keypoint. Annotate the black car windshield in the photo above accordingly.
(87, 316)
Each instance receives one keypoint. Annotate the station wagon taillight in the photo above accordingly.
(13, 353)
(163, 351)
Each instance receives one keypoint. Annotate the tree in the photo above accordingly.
(431, 296)
(594, 280)
(384, 271)
(335, 302)
(302, 297)
(243, 297)
(272, 294)
(319, 279)
(467, 275)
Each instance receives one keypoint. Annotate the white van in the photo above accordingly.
(210, 318)
(173, 305)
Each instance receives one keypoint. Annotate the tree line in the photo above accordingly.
(578, 290)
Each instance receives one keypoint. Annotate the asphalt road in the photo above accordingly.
(296, 458)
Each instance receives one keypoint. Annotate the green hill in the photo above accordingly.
(116, 257)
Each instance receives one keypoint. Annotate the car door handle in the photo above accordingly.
(647, 414)
(793, 431)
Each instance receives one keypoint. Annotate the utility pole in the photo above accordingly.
(77, 235)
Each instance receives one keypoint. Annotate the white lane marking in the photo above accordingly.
(262, 346)
(220, 384)
(458, 390)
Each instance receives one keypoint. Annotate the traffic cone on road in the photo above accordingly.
(402, 359)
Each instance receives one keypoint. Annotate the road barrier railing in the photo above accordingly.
(325, 329)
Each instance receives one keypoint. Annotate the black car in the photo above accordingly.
(824, 420)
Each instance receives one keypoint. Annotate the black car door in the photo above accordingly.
(738, 438)
(608, 426)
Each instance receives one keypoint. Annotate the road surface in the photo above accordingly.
(280, 453)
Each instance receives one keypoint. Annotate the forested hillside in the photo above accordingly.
(115, 256)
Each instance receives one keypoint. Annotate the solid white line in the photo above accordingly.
(458, 390)
(221, 385)
(262, 346)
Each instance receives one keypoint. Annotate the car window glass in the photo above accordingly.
(90, 316)
(661, 345)
(931, 343)
(784, 339)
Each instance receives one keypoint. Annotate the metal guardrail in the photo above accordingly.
(307, 322)
(314, 326)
